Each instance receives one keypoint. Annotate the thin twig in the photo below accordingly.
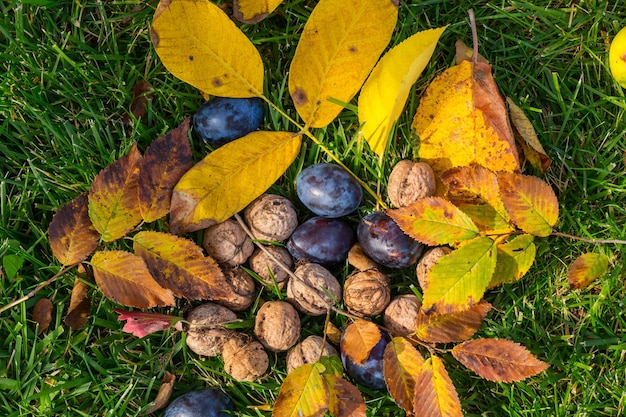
(594, 241)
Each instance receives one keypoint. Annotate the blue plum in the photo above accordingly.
(384, 241)
(328, 190)
(321, 240)
(210, 402)
(370, 373)
(221, 119)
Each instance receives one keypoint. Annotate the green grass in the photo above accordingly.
(68, 70)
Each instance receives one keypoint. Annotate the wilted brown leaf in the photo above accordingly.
(124, 278)
(113, 197)
(586, 268)
(358, 340)
(401, 365)
(80, 306)
(435, 395)
(163, 164)
(164, 394)
(139, 103)
(71, 234)
(527, 138)
(498, 359)
(345, 399)
(42, 314)
(454, 327)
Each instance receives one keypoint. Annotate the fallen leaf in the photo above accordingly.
(42, 314)
(80, 306)
(113, 197)
(141, 324)
(453, 327)
(401, 365)
(163, 164)
(527, 137)
(200, 45)
(125, 279)
(514, 259)
(586, 268)
(71, 234)
(345, 400)
(304, 393)
(230, 178)
(385, 92)
(333, 58)
(498, 359)
(358, 340)
(11, 264)
(139, 103)
(435, 395)
(253, 11)
(164, 394)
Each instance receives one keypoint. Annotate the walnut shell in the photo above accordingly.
(409, 181)
(242, 289)
(244, 358)
(206, 336)
(277, 325)
(358, 259)
(366, 293)
(267, 269)
(271, 217)
(308, 351)
(315, 291)
(430, 258)
(228, 243)
(400, 316)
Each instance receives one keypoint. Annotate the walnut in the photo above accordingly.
(242, 289)
(316, 289)
(358, 259)
(277, 325)
(267, 269)
(409, 181)
(244, 358)
(430, 258)
(308, 351)
(271, 217)
(366, 293)
(228, 243)
(206, 336)
(400, 316)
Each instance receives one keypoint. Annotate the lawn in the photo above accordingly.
(68, 72)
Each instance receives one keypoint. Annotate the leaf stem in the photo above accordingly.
(594, 241)
(305, 131)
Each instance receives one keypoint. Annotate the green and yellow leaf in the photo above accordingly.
(304, 393)
(385, 92)
(527, 138)
(498, 359)
(401, 365)
(200, 45)
(459, 279)
(125, 279)
(434, 221)
(435, 395)
(586, 268)
(530, 202)
(514, 260)
(333, 57)
(230, 178)
(453, 327)
(114, 197)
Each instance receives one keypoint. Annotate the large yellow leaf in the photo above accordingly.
(459, 279)
(385, 92)
(530, 202)
(179, 265)
(200, 45)
(339, 46)
(454, 327)
(114, 198)
(253, 11)
(229, 178)
(435, 395)
(514, 259)
(462, 119)
(498, 359)
(587, 268)
(124, 278)
(402, 363)
(303, 394)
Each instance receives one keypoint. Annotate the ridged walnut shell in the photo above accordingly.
(409, 181)
(400, 316)
(242, 289)
(271, 217)
(308, 351)
(430, 258)
(277, 325)
(262, 264)
(316, 289)
(244, 358)
(228, 243)
(366, 293)
(206, 335)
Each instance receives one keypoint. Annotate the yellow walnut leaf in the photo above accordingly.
(435, 395)
(462, 120)
(527, 138)
(303, 394)
(586, 268)
(229, 178)
(514, 259)
(385, 92)
(200, 45)
(253, 11)
(401, 365)
(454, 327)
(339, 46)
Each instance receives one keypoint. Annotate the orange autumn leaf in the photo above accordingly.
(586, 268)
(462, 119)
(527, 138)
(498, 359)
(401, 365)
(80, 306)
(454, 327)
(358, 340)
(345, 400)
(435, 395)
(42, 314)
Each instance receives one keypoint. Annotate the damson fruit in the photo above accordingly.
(384, 241)
(221, 119)
(369, 373)
(328, 190)
(322, 241)
(210, 402)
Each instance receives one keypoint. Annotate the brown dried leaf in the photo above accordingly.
(527, 138)
(454, 327)
(113, 197)
(498, 359)
(139, 103)
(71, 233)
(164, 394)
(401, 366)
(80, 306)
(435, 395)
(163, 164)
(345, 399)
(124, 278)
(42, 314)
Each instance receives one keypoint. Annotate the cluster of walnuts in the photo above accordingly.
(310, 288)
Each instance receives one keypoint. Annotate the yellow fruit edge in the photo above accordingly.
(617, 57)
